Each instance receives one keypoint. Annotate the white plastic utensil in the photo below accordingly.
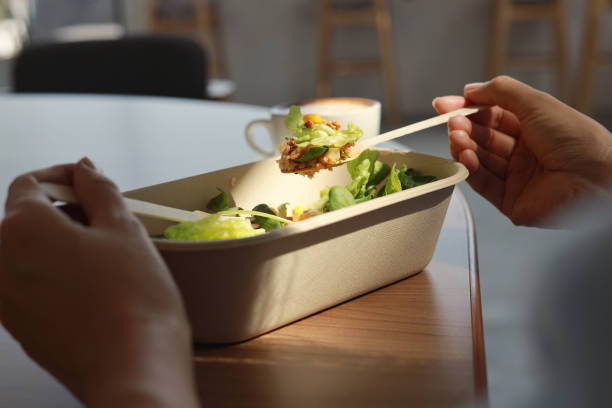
(394, 134)
(65, 193)
(417, 127)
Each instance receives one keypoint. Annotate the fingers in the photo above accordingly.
(499, 119)
(494, 117)
(99, 196)
(460, 141)
(483, 181)
(25, 188)
(492, 140)
(507, 93)
(31, 222)
(75, 212)
(483, 133)
(447, 104)
(60, 174)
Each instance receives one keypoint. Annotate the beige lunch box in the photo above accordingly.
(237, 289)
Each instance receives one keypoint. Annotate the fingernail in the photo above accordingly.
(472, 86)
(85, 161)
(433, 103)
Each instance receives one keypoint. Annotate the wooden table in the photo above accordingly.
(418, 342)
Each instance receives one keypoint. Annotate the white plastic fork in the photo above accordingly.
(65, 193)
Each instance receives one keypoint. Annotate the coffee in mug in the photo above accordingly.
(363, 112)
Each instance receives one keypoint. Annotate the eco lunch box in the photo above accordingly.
(238, 289)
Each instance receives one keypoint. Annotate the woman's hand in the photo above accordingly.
(529, 154)
(95, 305)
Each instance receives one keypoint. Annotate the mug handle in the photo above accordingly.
(248, 133)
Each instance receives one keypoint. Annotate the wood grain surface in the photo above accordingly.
(409, 343)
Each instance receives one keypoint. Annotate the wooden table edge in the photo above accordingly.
(478, 344)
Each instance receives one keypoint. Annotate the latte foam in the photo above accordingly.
(336, 107)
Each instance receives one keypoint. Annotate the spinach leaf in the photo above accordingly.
(266, 223)
(313, 153)
(411, 178)
(406, 179)
(339, 197)
(219, 202)
(420, 180)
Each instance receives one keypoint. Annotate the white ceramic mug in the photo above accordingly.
(363, 112)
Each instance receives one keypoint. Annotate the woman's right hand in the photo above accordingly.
(529, 154)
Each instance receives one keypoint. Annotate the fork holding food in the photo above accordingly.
(317, 144)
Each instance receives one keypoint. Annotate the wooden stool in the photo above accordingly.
(508, 12)
(377, 14)
(591, 57)
(204, 24)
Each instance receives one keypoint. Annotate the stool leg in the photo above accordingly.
(206, 35)
(211, 35)
(389, 74)
(323, 85)
(561, 53)
(589, 56)
(151, 13)
(499, 37)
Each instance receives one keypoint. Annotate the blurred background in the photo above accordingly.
(271, 49)
(403, 52)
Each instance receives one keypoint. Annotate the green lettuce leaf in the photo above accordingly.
(294, 120)
(323, 135)
(380, 172)
(363, 199)
(339, 197)
(361, 169)
(393, 182)
(408, 178)
(212, 228)
(320, 135)
(282, 210)
(320, 204)
(351, 131)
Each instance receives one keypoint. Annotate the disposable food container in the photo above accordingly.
(237, 289)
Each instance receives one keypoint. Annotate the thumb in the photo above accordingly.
(98, 195)
(508, 93)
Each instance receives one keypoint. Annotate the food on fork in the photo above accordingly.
(317, 144)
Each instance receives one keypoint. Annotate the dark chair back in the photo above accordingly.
(162, 66)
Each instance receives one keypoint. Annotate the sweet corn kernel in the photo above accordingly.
(313, 118)
(297, 212)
